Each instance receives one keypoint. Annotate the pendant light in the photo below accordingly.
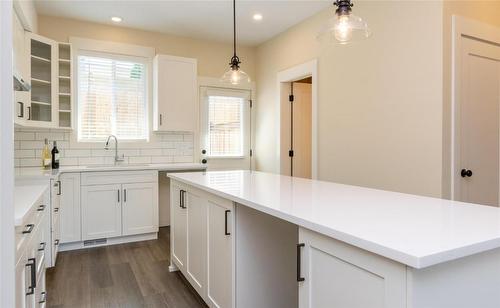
(344, 27)
(235, 75)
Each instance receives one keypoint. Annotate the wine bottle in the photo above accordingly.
(55, 157)
(46, 157)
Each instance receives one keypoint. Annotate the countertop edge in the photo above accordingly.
(416, 262)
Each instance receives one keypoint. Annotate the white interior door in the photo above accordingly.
(225, 128)
(478, 173)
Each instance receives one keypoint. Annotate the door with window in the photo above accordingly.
(225, 128)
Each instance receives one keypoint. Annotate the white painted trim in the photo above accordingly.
(79, 43)
(7, 241)
(111, 241)
(462, 26)
(212, 82)
(293, 74)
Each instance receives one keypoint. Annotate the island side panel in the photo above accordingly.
(473, 281)
(265, 260)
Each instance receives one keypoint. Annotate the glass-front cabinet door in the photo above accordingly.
(43, 103)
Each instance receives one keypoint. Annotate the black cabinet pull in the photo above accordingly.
(43, 297)
(161, 120)
(59, 186)
(118, 191)
(466, 173)
(56, 242)
(29, 228)
(299, 261)
(29, 112)
(182, 202)
(32, 265)
(42, 246)
(56, 210)
(21, 111)
(225, 222)
(124, 195)
(41, 207)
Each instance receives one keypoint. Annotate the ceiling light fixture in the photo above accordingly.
(344, 27)
(116, 19)
(235, 75)
(257, 17)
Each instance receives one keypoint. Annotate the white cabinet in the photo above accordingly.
(118, 203)
(101, 211)
(175, 94)
(42, 57)
(196, 240)
(178, 226)
(69, 193)
(55, 222)
(220, 253)
(21, 99)
(337, 275)
(140, 208)
(202, 242)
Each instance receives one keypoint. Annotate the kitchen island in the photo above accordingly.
(292, 242)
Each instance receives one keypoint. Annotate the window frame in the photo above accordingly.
(80, 45)
(115, 57)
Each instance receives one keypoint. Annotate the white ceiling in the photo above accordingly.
(211, 20)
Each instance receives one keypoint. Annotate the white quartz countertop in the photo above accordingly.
(37, 173)
(25, 197)
(414, 230)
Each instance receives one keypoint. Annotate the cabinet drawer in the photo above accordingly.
(119, 177)
(24, 233)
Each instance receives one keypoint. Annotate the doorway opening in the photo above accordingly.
(296, 128)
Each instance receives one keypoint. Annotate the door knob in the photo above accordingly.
(466, 173)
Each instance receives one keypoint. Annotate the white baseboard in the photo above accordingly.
(110, 241)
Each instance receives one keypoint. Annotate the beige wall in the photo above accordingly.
(484, 11)
(380, 101)
(212, 56)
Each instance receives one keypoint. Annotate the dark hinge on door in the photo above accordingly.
(251, 153)
(291, 98)
(290, 153)
(251, 103)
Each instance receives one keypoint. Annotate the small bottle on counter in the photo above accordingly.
(55, 157)
(46, 156)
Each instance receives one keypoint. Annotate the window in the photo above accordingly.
(112, 98)
(225, 126)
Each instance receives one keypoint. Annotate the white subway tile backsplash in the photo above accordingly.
(162, 159)
(165, 148)
(139, 160)
(151, 152)
(25, 153)
(77, 153)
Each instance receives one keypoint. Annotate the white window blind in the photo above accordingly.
(225, 126)
(111, 99)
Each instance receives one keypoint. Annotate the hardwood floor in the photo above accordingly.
(127, 275)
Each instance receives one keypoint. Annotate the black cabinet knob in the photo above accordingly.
(466, 173)
(203, 151)
(203, 161)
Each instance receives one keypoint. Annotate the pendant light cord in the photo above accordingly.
(234, 27)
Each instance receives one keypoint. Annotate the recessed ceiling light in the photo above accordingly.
(257, 17)
(116, 19)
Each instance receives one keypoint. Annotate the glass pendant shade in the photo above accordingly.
(235, 77)
(344, 28)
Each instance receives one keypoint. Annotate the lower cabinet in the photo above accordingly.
(70, 210)
(220, 253)
(113, 205)
(332, 274)
(140, 208)
(101, 211)
(202, 245)
(178, 227)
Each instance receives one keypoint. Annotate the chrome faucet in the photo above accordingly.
(106, 147)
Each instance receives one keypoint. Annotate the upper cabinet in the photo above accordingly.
(43, 105)
(175, 94)
(46, 65)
